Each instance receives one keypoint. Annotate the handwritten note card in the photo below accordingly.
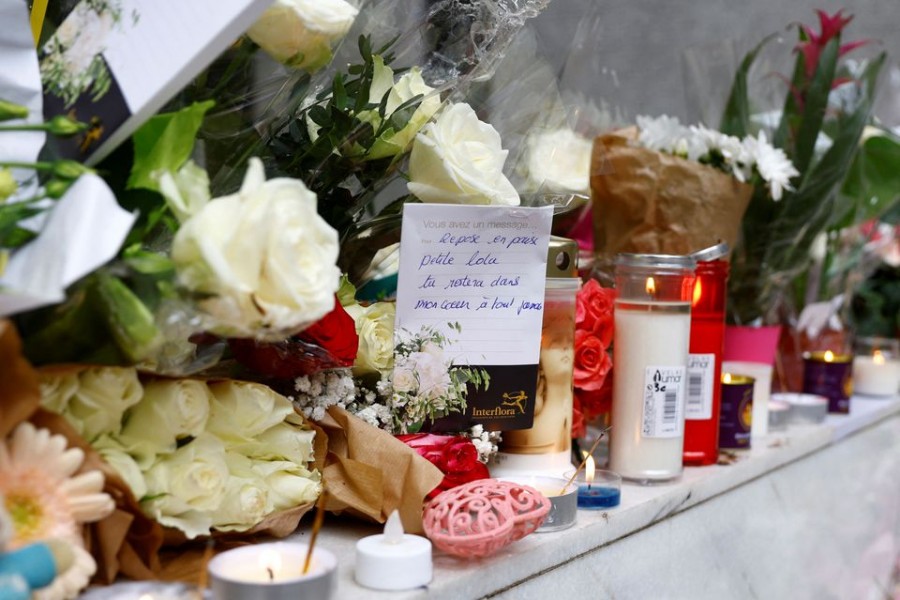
(477, 275)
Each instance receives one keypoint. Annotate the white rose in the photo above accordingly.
(459, 160)
(433, 374)
(240, 410)
(375, 327)
(560, 161)
(404, 380)
(186, 191)
(281, 442)
(410, 84)
(245, 501)
(57, 389)
(187, 486)
(288, 484)
(301, 33)
(169, 411)
(103, 396)
(264, 255)
(116, 456)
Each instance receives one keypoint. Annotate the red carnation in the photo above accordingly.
(455, 456)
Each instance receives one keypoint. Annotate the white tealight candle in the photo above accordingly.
(272, 572)
(393, 560)
(876, 375)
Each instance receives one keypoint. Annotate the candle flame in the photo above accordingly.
(698, 291)
(878, 357)
(589, 470)
(393, 529)
(726, 378)
(829, 356)
(651, 286)
(270, 561)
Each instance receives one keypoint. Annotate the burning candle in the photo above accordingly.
(736, 416)
(876, 367)
(598, 489)
(829, 374)
(393, 560)
(272, 572)
(652, 332)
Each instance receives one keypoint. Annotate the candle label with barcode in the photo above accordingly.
(700, 371)
(663, 415)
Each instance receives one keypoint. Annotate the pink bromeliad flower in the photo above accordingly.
(830, 26)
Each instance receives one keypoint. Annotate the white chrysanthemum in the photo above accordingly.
(47, 500)
(772, 164)
(662, 133)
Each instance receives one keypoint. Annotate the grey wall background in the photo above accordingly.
(637, 54)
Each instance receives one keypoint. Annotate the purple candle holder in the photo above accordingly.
(736, 413)
(829, 374)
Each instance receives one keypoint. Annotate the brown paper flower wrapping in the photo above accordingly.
(368, 474)
(648, 202)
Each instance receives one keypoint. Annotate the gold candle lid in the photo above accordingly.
(562, 258)
(733, 379)
(827, 356)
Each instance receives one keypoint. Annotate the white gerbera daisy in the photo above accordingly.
(47, 500)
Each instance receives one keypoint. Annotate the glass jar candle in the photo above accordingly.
(650, 356)
(546, 446)
(876, 366)
(703, 399)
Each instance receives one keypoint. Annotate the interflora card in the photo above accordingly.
(472, 281)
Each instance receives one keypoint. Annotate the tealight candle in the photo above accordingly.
(393, 560)
(598, 489)
(562, 495)
(272, 572)
(876, 367)
(829, 374)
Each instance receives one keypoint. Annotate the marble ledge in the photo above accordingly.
(642, 507)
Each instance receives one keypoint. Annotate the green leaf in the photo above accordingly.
(10, 216)
(872, 185)
(736, 117)
(164, 143)
(816, 101)
(148, 263)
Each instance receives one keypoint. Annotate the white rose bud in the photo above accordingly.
(170, 410)
(186, 191)
(301, 33)
(404, 380)
(281, 442)
(103, 396)
(240, 410)
(115, 456)
(264, 255)
(57, 389)
(245, 501)
(459, 160)
(375, 327)
(289, 484)
(187, 486)
(560, 161)
(410, 84)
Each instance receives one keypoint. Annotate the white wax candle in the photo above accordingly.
(762, 390)
(393, 560)
(272, 572)
(876, 376)
(652, 335)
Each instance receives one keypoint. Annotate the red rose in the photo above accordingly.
(328, 343)
(592, 361)
(455, 456)
(594, 307)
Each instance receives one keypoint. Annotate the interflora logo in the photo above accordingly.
(511, 404)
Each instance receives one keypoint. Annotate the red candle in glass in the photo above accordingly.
(701, 425)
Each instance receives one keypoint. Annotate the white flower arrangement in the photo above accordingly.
(740, 158)
(198, 456)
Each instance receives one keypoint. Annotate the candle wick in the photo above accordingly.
(271, 573)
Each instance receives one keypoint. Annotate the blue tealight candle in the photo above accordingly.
(598, 489)
(595, 497)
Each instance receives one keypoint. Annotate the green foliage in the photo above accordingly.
(164, 143)
(771, 258)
